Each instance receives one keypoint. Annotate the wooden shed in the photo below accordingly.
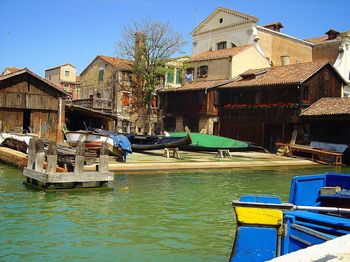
(30, 103)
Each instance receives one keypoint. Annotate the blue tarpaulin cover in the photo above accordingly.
(122, 142)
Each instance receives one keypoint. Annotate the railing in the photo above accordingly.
(94, 103)
(185, 109)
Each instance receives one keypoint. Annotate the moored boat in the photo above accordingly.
(143, 143)
(212, 143)
(118, 145)
(318, 210)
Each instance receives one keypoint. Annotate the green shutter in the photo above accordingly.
(178, 75)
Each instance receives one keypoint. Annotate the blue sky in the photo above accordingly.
(39, 34)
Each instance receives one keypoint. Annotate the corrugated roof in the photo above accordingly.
(119, 63)
(328, 106)
(199, 85)
(217, 54)
(279, 75)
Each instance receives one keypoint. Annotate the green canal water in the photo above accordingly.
(172, 216)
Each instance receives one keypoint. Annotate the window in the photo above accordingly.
(66, 73)
(170, 76)
(126, 99)
(221, 20)
(178, 75)
(233, 45)
(101, 75)
(66, 87)
(189, 74)
(202, 71)
(221, 45)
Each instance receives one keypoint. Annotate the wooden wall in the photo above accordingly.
(25, 97)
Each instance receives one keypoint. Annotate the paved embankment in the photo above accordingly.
(154, 160)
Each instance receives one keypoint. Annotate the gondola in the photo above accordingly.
(143, 143)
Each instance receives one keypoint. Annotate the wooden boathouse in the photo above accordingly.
(264, 105)
(30, 103)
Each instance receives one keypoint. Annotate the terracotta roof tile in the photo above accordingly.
(279, 75)
(12, 69)
(217, 54)
(328, 106)
(119, 63)
(199, 85)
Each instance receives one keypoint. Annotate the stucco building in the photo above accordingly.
(65, 76)
(225, 28)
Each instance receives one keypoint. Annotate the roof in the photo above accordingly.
(218, 54)
(324, 38)
(11, 70)
(279, 75)
(89, 111)
(119, 63)
(198, 85)
(51, 68)
(248, 18)
(328, 106)
(27, 71)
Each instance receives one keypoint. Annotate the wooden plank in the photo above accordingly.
(82, 177)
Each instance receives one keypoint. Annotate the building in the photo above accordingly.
(225, 28)
(328, 120)
(194, 104)
(108, 85)
(334, 47)
(30, 103)
(263, 106)
(65, 76)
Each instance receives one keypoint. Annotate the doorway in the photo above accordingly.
(26, 121)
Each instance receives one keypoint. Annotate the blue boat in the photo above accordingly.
(318, 211)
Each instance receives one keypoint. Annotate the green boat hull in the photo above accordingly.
(211, 143)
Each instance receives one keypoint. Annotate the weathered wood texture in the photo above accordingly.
(192, 103)
(67, 177)
(29, 103)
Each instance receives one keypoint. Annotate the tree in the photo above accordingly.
(149, 44)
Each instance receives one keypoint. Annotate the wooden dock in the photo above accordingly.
(49, 180)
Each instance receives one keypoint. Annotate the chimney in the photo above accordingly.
(285, 60)
(274, 26)
(332, 34)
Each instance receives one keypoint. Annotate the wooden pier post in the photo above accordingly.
(79, 158)
(40, 155)
(31, 153)
(103, 167)
(51, 158)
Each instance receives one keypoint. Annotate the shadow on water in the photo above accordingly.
(153, 216)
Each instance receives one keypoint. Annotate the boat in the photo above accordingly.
(318, 211)
(143, 143)
(118, 145)
(212, 143)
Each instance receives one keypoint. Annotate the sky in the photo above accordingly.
(39, 34)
